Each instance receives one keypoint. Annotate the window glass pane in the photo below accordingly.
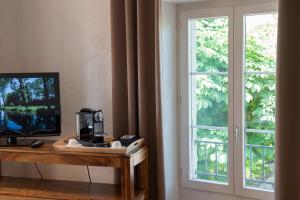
(208, 49)
(210, 155)
(209, 100)
(261, 37)
(210, 42)
(259, 100)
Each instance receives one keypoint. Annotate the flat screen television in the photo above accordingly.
(29, 105)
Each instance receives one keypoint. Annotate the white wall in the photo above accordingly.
(71, 37)
(170, 96)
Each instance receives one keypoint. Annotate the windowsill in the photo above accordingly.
(196, 194)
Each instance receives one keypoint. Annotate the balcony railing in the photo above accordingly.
(265, 182)
(207, 145)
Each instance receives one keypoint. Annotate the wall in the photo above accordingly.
(71, 37)
(218, 3)
(189, 194)
(170, 96)
(8, 39)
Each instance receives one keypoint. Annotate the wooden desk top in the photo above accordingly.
(47, 154)
(47, 147)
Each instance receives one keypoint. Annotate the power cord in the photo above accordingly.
(41, 175)
(38, 169)
(88, 170)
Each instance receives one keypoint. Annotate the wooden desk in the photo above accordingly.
(18, 188)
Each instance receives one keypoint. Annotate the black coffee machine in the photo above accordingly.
(90, 127)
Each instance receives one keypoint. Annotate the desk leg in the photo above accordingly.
(127, 178)
(143, 183)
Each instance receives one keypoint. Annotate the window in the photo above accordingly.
(228, 70)
(259, 99)
(209, 98)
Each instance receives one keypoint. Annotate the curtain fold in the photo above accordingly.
(288, 102)
(136, 80)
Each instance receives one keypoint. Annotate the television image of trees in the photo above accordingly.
(209, 99)
(27, 105)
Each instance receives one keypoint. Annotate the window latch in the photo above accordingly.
(236, 132)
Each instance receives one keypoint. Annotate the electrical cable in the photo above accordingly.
(88, 170)
(38, 169)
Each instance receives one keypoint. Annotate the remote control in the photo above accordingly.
(37, 144)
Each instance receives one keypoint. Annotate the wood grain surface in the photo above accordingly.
(25, 188)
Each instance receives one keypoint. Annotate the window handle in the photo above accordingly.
(236, 132)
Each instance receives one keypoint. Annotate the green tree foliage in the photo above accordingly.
(211, 94)
(3, 85)
(22, 92)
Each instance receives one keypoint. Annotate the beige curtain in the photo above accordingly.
(288, 102)
(136, 80)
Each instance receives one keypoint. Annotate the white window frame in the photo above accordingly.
(185, 99)
(235, 94)
(239, 46)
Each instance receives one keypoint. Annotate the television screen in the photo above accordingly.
(29, 104)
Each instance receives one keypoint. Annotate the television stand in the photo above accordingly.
(132, 185)
(16, 141)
